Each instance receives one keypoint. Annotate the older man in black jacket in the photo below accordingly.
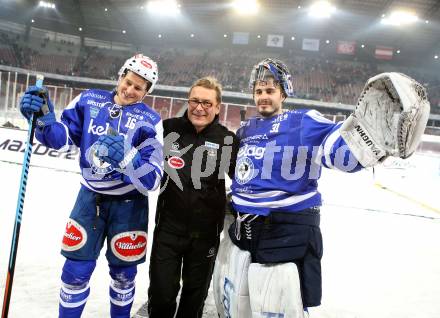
(190, 210)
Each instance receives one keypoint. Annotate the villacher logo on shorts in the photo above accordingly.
(75, 236)
(129, 246)
(176, 162)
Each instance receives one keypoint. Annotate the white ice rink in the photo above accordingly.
(381, 245)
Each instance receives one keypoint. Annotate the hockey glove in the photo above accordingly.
(110, 148)
(389, 119)
(36, 101)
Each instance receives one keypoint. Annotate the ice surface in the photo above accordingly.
(381, 248)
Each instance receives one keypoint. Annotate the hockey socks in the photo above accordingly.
(122, 289)
(75, 288)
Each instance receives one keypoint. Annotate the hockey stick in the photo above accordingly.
(19, 210)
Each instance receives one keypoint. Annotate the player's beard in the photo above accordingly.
(270, 111)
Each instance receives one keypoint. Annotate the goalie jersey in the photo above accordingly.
(94, 113)
(280, 160)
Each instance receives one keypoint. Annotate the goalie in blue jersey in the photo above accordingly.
(270, 263)
(120, 140)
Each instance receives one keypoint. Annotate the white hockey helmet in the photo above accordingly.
(275, 68)
(144, 67)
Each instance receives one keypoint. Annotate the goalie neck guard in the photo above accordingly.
(276, 69)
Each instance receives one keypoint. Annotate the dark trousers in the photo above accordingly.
(174, 258)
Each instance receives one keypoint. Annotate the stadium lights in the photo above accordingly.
(321, 9)
(247, 7)
(399, 18)
(45, 4)
(164, 7)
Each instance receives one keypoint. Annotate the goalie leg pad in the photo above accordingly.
(275, 290)
(231, 290)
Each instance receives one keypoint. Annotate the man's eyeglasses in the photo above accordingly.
(206, 104)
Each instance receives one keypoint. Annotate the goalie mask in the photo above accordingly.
(144, 67)
(272, 68)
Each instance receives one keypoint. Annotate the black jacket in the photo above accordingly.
(193, 203)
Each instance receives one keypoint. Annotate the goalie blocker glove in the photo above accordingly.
(389, 119)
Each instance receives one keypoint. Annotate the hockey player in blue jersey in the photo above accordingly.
(120, 139)
(270, 263)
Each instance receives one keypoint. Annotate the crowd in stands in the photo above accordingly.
(314, 79)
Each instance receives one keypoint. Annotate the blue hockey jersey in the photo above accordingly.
(94, 113)
(280, 160)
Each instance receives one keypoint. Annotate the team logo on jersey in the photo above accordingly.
(175, 147)
(244, 171)
(129, 246)
(75, 236)
(115, 111)
(176, 162)
(98, 166)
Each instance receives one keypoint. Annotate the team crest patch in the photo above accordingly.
(176, 162)
(244, 171)
(75, 236)
(129, 246)
(175, 147)
(115, 111)
(94, 111)
(98, 166)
